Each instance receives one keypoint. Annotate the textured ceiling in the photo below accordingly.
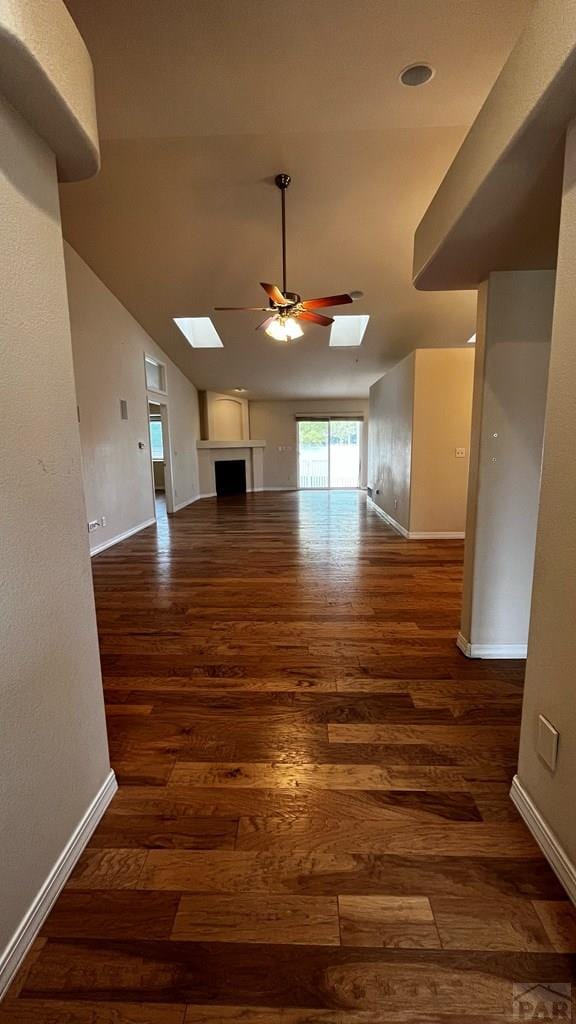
(202, 102)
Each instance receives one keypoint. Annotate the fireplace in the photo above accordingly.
(230, 476)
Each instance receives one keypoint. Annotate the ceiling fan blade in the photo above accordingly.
(273, 292)
(315, 318)
(327, 300)
(244, 309)
(264, 324)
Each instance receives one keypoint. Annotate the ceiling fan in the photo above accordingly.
(286, 308)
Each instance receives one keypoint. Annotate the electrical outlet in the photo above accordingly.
(460, 453)
(93, 525)
(547, 742)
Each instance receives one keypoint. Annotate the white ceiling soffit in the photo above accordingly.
(498, 205)
(347, 331)
(199, 331)
(46, 74)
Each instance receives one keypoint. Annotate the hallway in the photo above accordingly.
(313, 812)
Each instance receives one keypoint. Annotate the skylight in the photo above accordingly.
(199, 331)
(348, 330)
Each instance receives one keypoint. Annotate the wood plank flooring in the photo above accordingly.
(313, 824)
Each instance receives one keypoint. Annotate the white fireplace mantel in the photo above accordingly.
(210, 452)
(230, 444)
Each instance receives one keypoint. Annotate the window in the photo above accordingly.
(156, 440)
(155, 375)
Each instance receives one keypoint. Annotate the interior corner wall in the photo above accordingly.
(53, 748)
(443, 384)
(275, 423)
(390, 418)
(109, 348)
(550, 687)
(513, 349)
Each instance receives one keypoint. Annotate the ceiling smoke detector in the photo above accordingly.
(417, 74)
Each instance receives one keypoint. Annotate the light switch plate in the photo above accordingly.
(547, 742)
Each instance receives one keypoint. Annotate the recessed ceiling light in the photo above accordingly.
(471, 340)
(199, 331)
(348, 330)
(417, 74)
(240, 390)
(355, 295)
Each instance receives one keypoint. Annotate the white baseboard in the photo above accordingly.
(441, 535)
(121, 536)
(387, 519)
(21, 941)
(413, 534)
(189, 501)
(547, 840)
(503, 651)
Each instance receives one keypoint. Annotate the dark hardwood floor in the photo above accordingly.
(313, 824)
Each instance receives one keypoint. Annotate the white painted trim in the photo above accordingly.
(20, 943)
(547, 839)
(189, 501)
(491, 650)
(121, 536)
(387, 519)
(441, 535)
(411, 535)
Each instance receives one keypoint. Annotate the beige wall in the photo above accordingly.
(275, 423)
(419, 414)
(227, 417)
(441, 424)
(53, 749)
(551, 670)
(109, 348)
(390, 440)
(513, 347)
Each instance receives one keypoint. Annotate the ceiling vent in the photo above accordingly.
(417, 74)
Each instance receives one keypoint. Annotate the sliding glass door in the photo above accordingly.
(329, 453)
(313, 453)
(345, 453)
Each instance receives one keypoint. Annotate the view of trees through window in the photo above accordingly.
(314, 432)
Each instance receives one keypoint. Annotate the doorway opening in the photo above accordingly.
(329, 453)
(160, 458)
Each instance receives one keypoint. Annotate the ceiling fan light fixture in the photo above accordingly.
(284, 329)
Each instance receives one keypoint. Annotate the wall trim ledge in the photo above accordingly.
(20, 943)
(387, 519)
(502, 651)
(547, 840)
(121, 536)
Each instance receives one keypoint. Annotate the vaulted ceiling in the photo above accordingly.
(202, 102)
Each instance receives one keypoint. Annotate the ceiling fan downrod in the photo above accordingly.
(283, 181)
